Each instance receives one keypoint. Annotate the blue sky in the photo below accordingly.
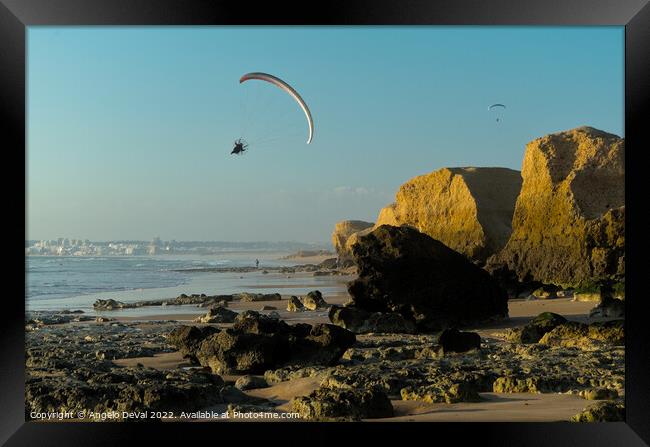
(130, 129)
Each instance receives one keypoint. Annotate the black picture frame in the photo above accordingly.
(16, 15)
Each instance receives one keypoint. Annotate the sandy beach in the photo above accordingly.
(493, 406)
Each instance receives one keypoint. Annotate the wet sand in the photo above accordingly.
(308, 259)
(494, 407)
(170, 360)
(513, 407)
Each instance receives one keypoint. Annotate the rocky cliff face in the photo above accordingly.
(468, 209)
(343, 230)
(568, 226)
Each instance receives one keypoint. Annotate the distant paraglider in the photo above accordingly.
(496, 106)
(287, 88)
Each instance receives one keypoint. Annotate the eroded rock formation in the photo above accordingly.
(343, 230)
(468, 209)
(568, 226)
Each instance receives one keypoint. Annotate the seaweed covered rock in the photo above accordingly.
(295, 305)
(607, 411)
(217, 314)
(314, 300)
(335, 404)
(443, 392)
(536, 328)
(248, 382)
(252, 297)
(257, 343)
(580, 335)
(402, 270)
(142, 389)
(111, 304)
(188, 338)
(363, 322)
(568, 226)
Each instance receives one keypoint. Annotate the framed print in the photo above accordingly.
(372, 217)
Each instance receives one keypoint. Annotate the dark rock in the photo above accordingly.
(452, 340)
(601, 412)
(508, 279)
(231, 351)
(139, 389)
(255, 323)
(599, 394)
(218, 314)
(314, 301)
(363, 322)
(251, 297)
(330, 264)
(295, 305)
(188, 338)
(613, 308)
(111, 304)
(327, 404)
(250, 382)
(445, 391)
(612, 332)
(573, 334)
(402, 270)
(257, 343)
(536, 328)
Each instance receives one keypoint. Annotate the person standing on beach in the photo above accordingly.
(257, 263)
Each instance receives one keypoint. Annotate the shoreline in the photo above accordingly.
(146, 348)
(209, 280)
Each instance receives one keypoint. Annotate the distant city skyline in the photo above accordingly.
(156, 246)
(129, 129)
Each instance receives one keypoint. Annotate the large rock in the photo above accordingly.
(402, 270)
(343, 230)
(94, 392)
(257, 343)
(453, 340)
(248, 382)
(314, 301)
(568, 226)
(331, 404)
(579, 335)
(467, 209)
(535, 329)
(188, 338)
(111, 304)
(362, 322)
(609, 309)
(252, 297)
(294, 304)
(217, 314)
(607, 411)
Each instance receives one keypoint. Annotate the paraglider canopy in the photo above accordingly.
(287, 88)
(496, 106)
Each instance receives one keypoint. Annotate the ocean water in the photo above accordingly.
(60, 277)
(66, 282)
